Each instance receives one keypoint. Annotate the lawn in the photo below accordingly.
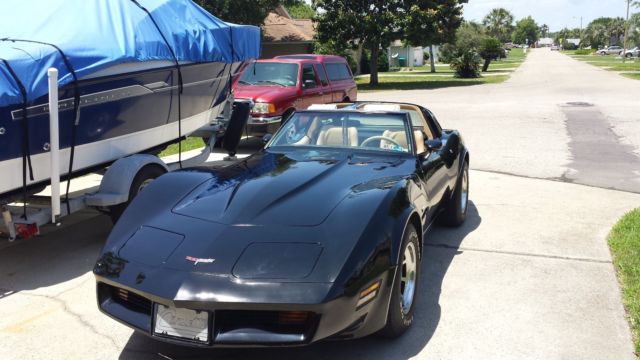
(624, 241)
(190, 143)
(421, 77)
(610, 62)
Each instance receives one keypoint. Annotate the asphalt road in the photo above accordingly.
(529, 275)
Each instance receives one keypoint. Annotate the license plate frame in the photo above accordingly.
(182, 324)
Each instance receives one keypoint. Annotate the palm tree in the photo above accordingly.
(616, 29)
(544, 29)
(499, 23)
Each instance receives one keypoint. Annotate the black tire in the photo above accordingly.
(400, 317)
(455, 209)
(142, 179)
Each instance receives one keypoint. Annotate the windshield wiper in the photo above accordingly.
(244, 82)
(271, 82)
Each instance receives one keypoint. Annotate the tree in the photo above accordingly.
(428, 23)
(248, 12)
(373, 23)
(466, 64)
(301, 10)
(596, 35)
(526, 30)
(499, 24)
(544, 29)
(490, 49)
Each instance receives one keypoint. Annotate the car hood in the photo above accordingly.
(260, 93)
(296, 188)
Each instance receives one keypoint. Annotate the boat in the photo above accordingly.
(134, 76)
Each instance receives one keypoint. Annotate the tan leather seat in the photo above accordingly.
(332, 135)
(401, 138)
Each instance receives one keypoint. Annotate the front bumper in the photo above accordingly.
(241, 322)
(260, 125)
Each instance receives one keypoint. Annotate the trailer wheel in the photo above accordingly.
(144, 177)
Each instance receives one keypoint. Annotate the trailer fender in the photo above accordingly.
(116, 183)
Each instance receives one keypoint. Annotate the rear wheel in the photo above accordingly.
(144, 177)
(405, 286)
(455, 209)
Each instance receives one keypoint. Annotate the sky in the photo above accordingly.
(555, 13)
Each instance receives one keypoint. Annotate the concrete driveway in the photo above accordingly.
(529, 275)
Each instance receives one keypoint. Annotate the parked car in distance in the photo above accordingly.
(555, 48)
(284, 84)
(611, 50)
(633, 52)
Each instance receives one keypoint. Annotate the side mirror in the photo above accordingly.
(309, 84)
(433, 145)
(266, 138)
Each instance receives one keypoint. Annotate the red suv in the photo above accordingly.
(284, 84)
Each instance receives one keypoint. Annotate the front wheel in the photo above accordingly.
(405, 286)
(455, 208)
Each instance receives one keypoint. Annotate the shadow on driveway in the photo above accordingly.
(435, 263)
(57, 256)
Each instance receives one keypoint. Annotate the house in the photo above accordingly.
(283, 35)
(545, 42)
(405, 56)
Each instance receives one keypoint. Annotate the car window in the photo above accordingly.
(338, 71)
(322, 74)
(270, 73)
(309, 77)
(366, 131)
(433, 123)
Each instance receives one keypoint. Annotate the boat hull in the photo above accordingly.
(120, 115)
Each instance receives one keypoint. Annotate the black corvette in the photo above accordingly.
(317, 236)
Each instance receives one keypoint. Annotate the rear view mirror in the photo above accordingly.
(309, 84)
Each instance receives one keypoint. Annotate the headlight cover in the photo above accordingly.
(264, 108)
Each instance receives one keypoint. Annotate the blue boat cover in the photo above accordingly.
(96, 34)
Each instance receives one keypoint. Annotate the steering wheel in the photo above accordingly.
(374, 138)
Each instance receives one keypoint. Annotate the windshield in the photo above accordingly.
(270, 73)
(381, 132)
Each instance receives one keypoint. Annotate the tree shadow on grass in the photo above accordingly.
(427, 84)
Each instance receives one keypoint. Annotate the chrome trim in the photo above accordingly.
(264, 120)
(103, 97)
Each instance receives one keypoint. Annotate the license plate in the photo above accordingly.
(182, 323)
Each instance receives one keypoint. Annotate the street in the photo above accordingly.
(555, 163)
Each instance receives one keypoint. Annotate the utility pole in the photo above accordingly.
(626, 34)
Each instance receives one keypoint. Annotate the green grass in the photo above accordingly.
(190, 143)
(415, 83)
(611, 63)
(420, 77)
(624, 241)
(635, 76)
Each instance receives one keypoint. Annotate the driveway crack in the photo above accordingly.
(518, 253)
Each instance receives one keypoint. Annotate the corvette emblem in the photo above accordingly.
(196, 260)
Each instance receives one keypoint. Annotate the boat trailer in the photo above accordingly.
(23, 220)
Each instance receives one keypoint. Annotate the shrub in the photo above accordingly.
(365, 61)
(584, 52)
(467, 64)
(569, 45)
(446, 53)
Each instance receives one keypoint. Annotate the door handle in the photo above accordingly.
(321, 93)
